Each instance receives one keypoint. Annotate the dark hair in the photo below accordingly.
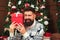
(29, 9)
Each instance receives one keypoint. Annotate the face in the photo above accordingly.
(29, 17)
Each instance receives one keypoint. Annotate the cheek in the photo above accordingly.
(32, 17)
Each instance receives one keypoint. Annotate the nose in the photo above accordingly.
(27, 17)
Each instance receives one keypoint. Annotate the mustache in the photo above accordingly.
(27, 20)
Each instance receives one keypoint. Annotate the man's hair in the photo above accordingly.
(29, 9)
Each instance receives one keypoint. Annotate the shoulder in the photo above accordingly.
(39, 24)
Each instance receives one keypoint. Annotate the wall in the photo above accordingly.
(3, 13)
(52, 15)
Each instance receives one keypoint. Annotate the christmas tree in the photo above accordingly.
(39, 6)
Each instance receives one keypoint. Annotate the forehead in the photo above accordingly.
(28, 12)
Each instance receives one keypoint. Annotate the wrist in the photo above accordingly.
(25, 35)
(23, 32)
(11, 30)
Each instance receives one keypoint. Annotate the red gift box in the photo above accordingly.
(17, 18)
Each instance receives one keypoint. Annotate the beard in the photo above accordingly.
(28, 22)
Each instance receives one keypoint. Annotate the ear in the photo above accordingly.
(34, 16)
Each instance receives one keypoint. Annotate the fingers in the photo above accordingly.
(18, 27)
(14, 23)
(12, 26)
(21, 28)
(21, 25)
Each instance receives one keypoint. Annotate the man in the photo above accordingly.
(31, 30)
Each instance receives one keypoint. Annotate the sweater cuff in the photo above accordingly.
(26, 35)
(11, 34)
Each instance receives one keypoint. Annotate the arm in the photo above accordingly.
(11, 29)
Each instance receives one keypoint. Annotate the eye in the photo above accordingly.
(29, 15)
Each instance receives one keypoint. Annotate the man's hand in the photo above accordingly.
(21, 29)
(5, 29)
(12, 27)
